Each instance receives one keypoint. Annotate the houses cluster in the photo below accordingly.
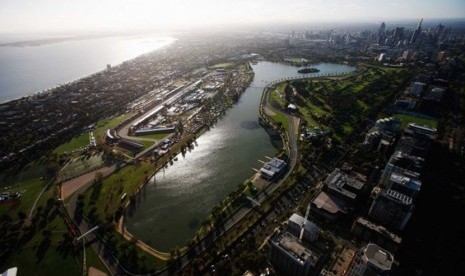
(63, 112)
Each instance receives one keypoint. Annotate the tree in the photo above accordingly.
(288, 91)
(21, 215)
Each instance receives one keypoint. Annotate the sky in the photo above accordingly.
(39, 16)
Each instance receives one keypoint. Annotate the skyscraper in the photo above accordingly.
(381, 33)
(416, 33)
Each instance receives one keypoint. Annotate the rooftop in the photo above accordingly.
(339, 178)
(378, 257)
(309, 226)
(338, 189)
(421, 130)
(330, 204)
(379, 229)
(407, 161)
(339, 181)
(404, 199)
(272, 167)
(343, 261)
(293, 247)
(422, 127)
(402, 179)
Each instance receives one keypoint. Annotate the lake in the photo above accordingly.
(176, 200)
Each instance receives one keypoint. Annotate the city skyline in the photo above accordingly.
(70, 16)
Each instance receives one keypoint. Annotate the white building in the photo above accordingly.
(311, 230)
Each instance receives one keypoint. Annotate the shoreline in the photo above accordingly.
(51, 89)
(262, 117)
(120, 227)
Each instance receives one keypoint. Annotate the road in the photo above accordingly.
(71, 186)
(41, 193)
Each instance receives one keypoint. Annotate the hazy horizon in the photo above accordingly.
(69, 17)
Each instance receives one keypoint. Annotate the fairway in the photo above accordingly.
(324, 102)
(75, 143)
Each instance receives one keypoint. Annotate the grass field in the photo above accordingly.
(82, 165)
(36, 256)
(30, 181)
(150, 262)
(406, 119)
(30, 261)
(222, 65)
(146, 143)
(33, 170)
(99, 132)
(278, 117)
(75, 143)
(126, 180)
(94, 261)
(103, 125)
(158, 136)
(123, 151)
(307, 116)
(276, 99)
(339, 104)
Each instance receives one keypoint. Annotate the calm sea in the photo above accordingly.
(29, 69)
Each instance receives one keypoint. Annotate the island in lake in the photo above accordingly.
(308, 70)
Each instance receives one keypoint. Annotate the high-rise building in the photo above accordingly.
(390, 124)
(371, 260)
(399, 34)
(371, 232)
(414, 129)
(416, 32)
(382, 29)
(311, 230)
(392, 209)
(406, 55)
(439, 30)
(418, 88)
(381, 33)
(343, 185)
(404, 183)
(401, 162)
(289, 257)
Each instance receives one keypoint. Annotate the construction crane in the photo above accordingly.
(304, 222)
